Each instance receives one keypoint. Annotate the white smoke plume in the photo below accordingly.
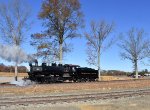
(14, 54)
(22, 82)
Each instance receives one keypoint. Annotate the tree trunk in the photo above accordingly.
(60, 53)
(136, 69)
(16, 71)
(99, 69)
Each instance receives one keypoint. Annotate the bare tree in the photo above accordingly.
(135, 47)
(14, 18)
(61, 20)
(96, 42)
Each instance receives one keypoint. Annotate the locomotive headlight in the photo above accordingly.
(37, 68)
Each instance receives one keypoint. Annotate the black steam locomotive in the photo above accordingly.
(61, 73)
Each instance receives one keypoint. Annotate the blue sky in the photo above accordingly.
(125, 14)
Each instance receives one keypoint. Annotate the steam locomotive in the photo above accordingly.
(61, 73)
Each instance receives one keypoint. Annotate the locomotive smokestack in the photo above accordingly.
(36, 62)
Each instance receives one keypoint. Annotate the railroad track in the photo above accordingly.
(8, 101)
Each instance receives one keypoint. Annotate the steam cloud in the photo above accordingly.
(23, 82)
(14, 53)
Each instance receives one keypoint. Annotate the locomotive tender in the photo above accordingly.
(61, 73)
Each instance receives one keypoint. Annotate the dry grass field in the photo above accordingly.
(8, 77)
(106, 85)
(71, 87)
(7, 74)
(110, 78)
(135, 103)
(67, 87)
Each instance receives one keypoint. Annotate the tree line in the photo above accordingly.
(4, 68)
(61, 20)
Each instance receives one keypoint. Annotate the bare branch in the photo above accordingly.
(15, 17)
(99, 33)
(135, 47)
(96, 39)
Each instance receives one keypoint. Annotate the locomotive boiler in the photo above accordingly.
(61, 73)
